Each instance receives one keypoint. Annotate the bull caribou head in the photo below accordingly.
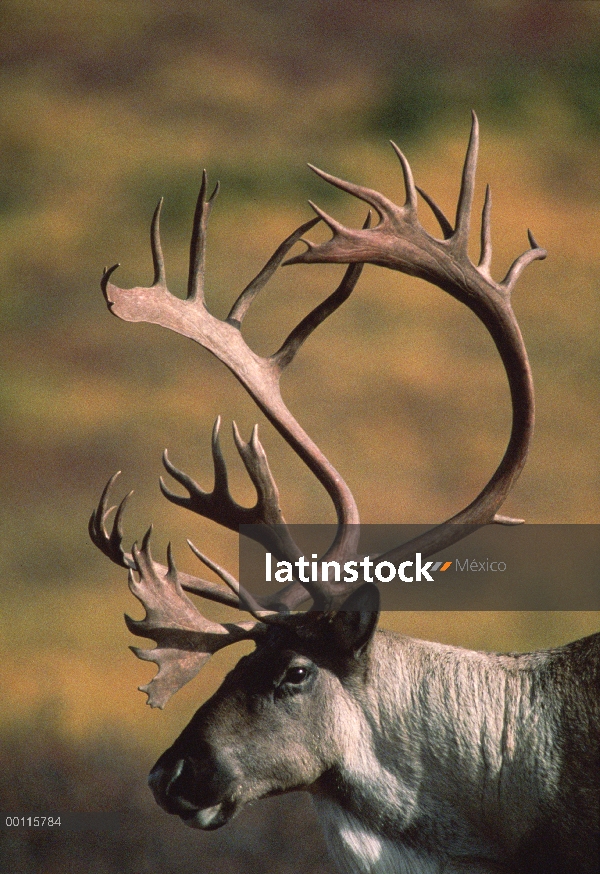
(312, 707)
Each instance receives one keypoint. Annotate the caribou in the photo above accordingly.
(419, 757)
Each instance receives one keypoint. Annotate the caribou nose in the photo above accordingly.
(172, 786)
(183, 784)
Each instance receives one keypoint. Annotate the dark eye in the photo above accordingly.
(295, 675)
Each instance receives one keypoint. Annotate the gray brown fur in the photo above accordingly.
(419, 757)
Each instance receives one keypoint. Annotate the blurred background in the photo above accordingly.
(106, 106)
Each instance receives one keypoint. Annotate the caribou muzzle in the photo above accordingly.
(199, 790)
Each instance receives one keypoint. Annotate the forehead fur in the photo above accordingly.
(309, 634)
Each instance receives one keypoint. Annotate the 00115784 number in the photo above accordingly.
(32, 821)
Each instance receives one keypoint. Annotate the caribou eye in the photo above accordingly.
(295, 675)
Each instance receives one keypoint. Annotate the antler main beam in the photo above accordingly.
(400, 242)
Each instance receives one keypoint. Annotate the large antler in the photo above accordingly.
(400, 242)
(260, 376)
(185, 639)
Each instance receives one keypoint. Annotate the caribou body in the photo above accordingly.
(420, 758)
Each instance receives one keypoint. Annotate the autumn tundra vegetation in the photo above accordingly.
(103, 112)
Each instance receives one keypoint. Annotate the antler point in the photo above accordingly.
(172, 569)
(146, 540)
(107, 273)
(507, 520)
(236, 431)
(532, 241)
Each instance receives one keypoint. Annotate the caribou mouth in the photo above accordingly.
(210, 818)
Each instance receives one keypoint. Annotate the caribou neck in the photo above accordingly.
(478, 717)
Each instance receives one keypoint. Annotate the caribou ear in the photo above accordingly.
(356, 620)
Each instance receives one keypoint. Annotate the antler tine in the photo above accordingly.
(198, 241)
(460, 237)
(536, 253)
(293, 342)
(242, 305)
(485, 259)
(382, 205)
(444, 224)
(409, 182)
(460, 234)
(155, 245)
(246, 600)
(110, 544)
(255, 461)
